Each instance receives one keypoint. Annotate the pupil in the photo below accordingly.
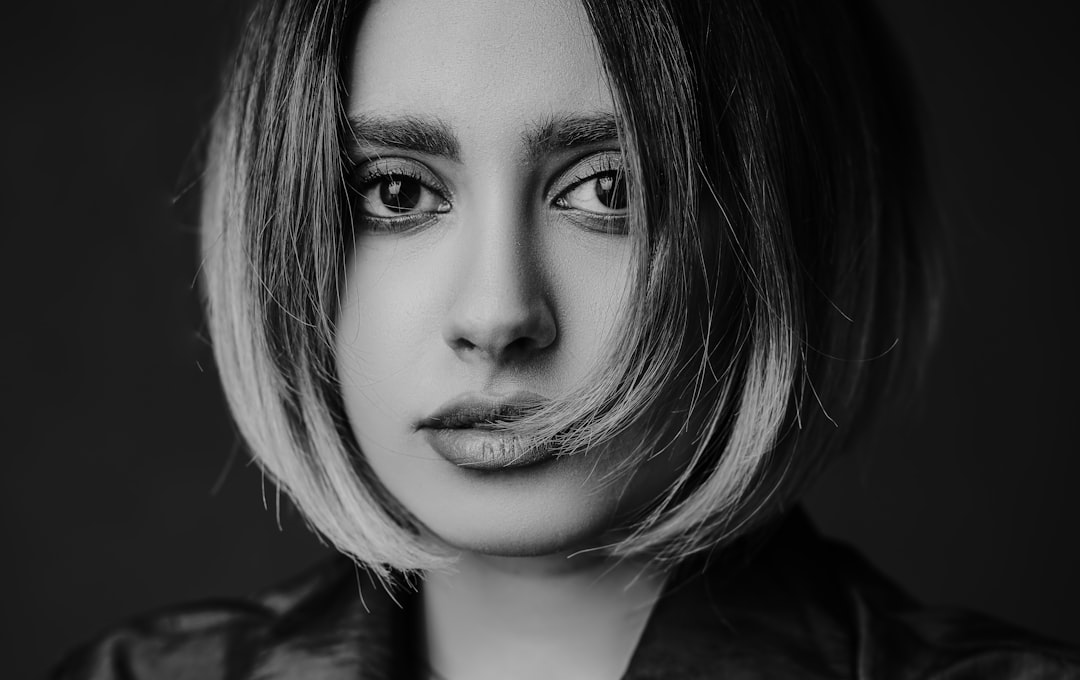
(400, 194)
(611, 191)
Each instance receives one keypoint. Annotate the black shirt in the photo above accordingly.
(783, 603)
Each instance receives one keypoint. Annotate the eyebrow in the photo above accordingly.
(567, 132)
(434, 137)
(430, 136)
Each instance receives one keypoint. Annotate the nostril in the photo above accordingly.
(523, 347)
(462, 344)
(503, 337)
(500, 310)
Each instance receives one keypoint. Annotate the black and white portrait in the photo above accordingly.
(541, 339)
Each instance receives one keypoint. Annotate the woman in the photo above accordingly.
(545, 313)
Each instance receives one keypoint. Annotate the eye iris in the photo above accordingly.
(400, 194)
(611, 191)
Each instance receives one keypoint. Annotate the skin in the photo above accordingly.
(501, 279)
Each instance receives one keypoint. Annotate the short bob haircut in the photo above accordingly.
(784, 277)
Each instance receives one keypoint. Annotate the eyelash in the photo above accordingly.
(590, 168)
(377, 171)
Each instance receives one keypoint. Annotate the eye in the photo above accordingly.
(397, 195)
(596, 184)
(603, 193)
(593, 193)
(392, 189)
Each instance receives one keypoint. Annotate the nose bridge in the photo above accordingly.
(500, 307)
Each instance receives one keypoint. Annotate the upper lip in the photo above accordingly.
(478, 410)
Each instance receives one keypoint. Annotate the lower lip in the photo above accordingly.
(478, 449)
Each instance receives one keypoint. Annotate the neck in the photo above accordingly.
(537, 617)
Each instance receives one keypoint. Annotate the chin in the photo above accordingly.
(557, 507)
(524, 538)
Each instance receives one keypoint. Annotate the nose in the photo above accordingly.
(500, 311)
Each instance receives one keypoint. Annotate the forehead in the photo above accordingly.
(485, 66)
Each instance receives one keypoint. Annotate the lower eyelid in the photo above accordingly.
(398, 225)
(615, 224)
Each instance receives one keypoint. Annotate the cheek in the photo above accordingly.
(387, 320)
(389, 310)
(590, 278)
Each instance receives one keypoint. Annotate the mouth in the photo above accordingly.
(463, 431)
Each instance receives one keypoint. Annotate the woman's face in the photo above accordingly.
(490, 265)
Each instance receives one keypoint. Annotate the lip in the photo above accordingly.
(461, 431)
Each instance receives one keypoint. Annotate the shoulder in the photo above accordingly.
(798, 605)
(894, 636)
(319, 624)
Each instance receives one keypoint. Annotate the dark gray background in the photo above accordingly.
(113, 492)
